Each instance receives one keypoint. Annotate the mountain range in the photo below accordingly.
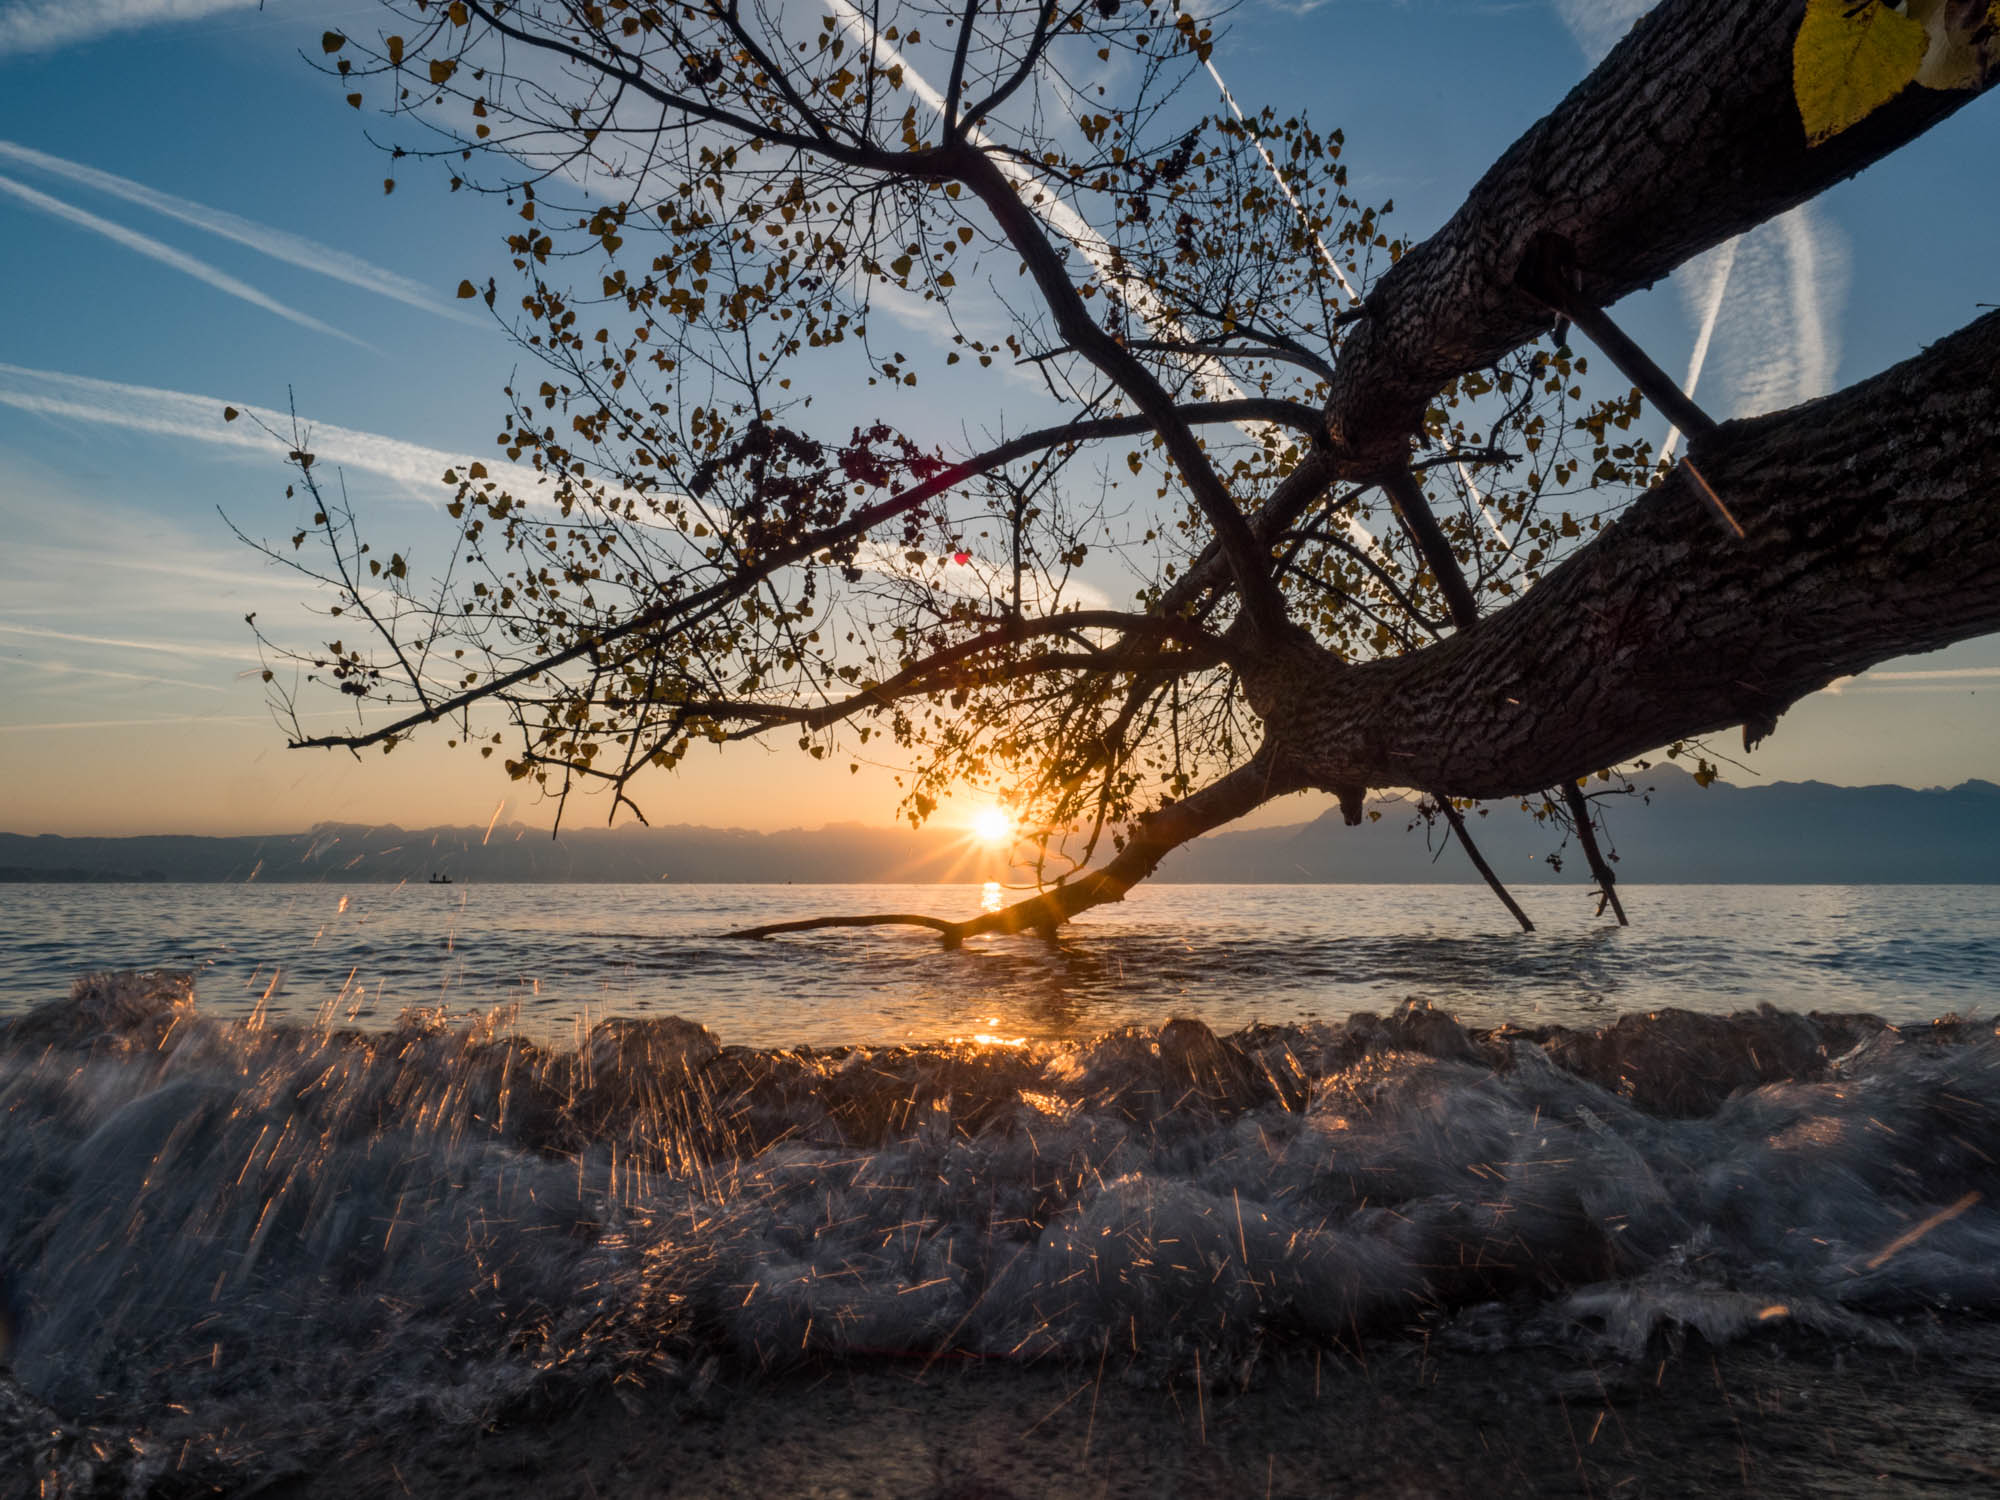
(1667, 829)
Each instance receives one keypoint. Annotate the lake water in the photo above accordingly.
(570, 955)
(226, 1248)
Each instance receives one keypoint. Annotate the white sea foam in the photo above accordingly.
(277, 1231)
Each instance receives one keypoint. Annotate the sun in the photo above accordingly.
(993, 825)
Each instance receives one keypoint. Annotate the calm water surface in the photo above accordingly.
(565, 955)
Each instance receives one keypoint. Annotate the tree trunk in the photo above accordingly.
(1871, 526)
(1870, 522)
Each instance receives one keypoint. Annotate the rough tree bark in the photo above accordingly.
(1870, 531)
(1869, 523)
(1686, 134)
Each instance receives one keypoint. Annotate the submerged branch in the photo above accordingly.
(876, 919)
(1457, 821)
(1600, 868)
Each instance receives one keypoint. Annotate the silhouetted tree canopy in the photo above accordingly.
(1201, 487)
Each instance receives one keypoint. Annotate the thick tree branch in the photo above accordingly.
(1658, 629)
(1687, 134)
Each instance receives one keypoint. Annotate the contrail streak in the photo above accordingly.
(1298, 209)
(169, 648)
(146, 245)
(279, 244)
(183, 414)
(1725, 262)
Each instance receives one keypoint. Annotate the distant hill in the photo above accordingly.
(352, 852)
(1670, 831)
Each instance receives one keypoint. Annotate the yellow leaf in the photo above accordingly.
(1849, 60)
(355, 100)
(467, 289)
(332, 41)
(395, 45)
(441, 70)
(457, 12)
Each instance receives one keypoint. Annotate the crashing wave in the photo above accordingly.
(227, 1239)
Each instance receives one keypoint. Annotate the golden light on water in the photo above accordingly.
(991, 1038)
(990, 898)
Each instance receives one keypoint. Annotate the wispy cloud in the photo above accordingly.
(27, 560)
(43, 25)
(279, 244)
(146, 245)
(1938, 674)
(1599, 25)
(1775, 315)
(1703, 282)
(181, 414)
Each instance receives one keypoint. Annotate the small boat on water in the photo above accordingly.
(437, 879)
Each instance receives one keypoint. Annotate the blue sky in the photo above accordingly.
(190, 215)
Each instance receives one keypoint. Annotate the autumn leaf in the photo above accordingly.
(332, 41)
(395, 46)
(1851, 59)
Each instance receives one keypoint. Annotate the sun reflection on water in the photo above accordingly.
(989, 896)
(990, 1038)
